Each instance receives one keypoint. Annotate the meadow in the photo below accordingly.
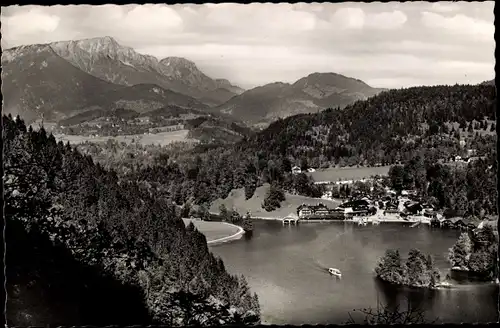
(236, 200)
(348, 173)
(215, 231)
(162, 138)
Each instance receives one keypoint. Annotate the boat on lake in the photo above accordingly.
(444, 284)
(335, 272)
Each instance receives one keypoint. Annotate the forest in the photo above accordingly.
(466, 190)
(76, 229)
(387, 128)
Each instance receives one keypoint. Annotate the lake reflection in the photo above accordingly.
(286, 266)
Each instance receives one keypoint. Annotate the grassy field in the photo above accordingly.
(348, 173)
(162, 138)
(236, 200)
(213, 230)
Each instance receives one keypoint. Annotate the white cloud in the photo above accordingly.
(348, 18)
(387, 20)
(384, 44)
(260, 17)
(29, 22)
(459, 24)
(444, 7)
(152, 18)
(356, 18)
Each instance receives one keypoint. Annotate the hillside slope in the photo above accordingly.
(383, 129)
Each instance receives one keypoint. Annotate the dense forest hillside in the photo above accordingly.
(386, 128)
(75, 228)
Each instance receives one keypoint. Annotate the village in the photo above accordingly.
(389, 206)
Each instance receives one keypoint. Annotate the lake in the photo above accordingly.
(286, 267)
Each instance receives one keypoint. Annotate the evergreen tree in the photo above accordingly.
(460, 253)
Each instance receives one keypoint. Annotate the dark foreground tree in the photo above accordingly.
(385, 315)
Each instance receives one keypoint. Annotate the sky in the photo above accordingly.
(387, 45)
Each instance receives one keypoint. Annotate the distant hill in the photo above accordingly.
(105, 58)
(36, 82)
(145, 97)
(490, 82)
(310, 94)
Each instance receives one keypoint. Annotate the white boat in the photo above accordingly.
(335, 272)
(444, 284)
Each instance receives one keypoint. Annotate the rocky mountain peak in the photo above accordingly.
(179, 67)
(82, 53)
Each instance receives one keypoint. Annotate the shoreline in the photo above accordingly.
(235, 236)
(232, 237)
(356, 220)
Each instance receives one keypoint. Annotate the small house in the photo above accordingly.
(296, 170)
(310, 170)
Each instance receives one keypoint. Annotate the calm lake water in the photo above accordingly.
(286, 267)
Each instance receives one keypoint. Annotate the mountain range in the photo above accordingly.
(61, 79)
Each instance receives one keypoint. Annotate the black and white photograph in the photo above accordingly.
(248, 164)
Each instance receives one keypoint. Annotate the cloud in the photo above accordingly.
(260, 17)
(30, 22)
(459, 24)
(385, 44)
(387, 20)
(356, 18)
(349, 18)
(152, 18)
(444, 7)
